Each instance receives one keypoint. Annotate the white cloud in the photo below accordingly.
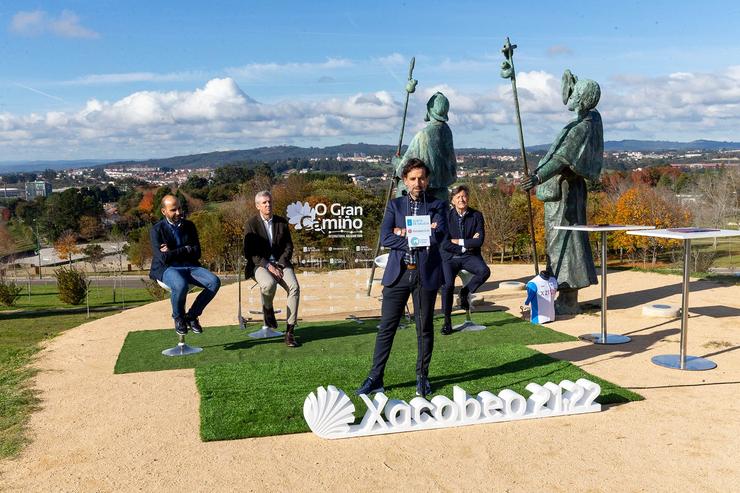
(253, 71)
(132, 77)
(38, 22)
(681, 106)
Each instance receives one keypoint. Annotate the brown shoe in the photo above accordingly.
(289, 337)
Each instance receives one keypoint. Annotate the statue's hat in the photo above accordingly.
(568, 82)
(437, 107)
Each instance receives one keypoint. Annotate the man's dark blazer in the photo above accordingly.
(187, 253)
(257, 248)
(472, 223)
(429, 260)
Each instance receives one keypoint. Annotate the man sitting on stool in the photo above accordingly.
(410, 271)
(268, 249)
(175, 254)
(461, 250)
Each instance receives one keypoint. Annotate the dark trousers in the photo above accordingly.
(471, 263)
(392, 309)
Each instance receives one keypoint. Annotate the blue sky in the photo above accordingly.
(137, 79)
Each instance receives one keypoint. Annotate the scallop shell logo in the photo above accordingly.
(328, 411)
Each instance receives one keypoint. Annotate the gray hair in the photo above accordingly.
(458, 189)
(263, 193)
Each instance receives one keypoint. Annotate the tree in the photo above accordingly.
(66, 245)
(212, 235)
(502, 222)
(90, 227)
(95, 254)
(139, 248)
(648, 206)
(7, 243)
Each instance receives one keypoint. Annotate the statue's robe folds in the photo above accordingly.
(433, 145)
(576, 154)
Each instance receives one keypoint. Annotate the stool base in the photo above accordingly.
(265, 333)
(181, 349)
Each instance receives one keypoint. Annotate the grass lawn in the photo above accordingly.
(256, 387)
(22, 329)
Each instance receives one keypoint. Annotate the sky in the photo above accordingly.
(132, 79)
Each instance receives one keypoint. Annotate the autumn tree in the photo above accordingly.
(644, 205)
(66, 245)
(503, 224)
(90, 227)
(212, 236)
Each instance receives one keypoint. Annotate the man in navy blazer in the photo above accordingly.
(410, 271)
(175, 254)
(461, 250)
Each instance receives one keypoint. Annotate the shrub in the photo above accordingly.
(156, 291)
(72, 284)
(9, 292)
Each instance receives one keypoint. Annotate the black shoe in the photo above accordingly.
(447, 329)
(423, 387)
(464, 301)
(289, 337)
(181, 326)
(270, 320)
(194, 324)
(370, 386)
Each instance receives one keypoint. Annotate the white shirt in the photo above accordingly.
(268, 227)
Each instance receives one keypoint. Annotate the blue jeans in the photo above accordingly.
(179, 278)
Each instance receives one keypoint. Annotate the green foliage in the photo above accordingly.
(9, 292)
(72, 284)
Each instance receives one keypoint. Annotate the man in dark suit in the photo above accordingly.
(410, 271)
(268, 249)
(461, 250)
(175, 254)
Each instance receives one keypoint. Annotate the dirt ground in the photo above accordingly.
(96, 431)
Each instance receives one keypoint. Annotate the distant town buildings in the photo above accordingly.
(38, 189)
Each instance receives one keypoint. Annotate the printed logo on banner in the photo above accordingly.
(334, 220)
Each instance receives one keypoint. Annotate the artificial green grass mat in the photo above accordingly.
(142, 350)
(252, 399)
(252, 388)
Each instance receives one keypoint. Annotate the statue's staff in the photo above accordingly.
(410, 88)
(508, 72)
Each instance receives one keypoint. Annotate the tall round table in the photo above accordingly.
(681, 361)
(603, 337)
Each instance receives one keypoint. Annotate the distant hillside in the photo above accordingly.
(33, 166)
(283, 153)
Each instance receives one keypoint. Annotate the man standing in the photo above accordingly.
(414, 271)
(175, 254)
(433, 145)
(268, 249)
(461, 250)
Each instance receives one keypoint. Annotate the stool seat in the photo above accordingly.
(381, 260)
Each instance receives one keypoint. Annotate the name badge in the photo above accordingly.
(419, 231)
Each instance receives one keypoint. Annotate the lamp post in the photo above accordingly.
(38, 245)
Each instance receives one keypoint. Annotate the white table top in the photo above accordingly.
(604, 227)
(688, 233)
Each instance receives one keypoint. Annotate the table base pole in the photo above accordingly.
(610, 338)
(693, 363)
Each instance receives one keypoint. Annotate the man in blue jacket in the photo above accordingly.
(175, 254)
(461, 250)
(411, 271)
